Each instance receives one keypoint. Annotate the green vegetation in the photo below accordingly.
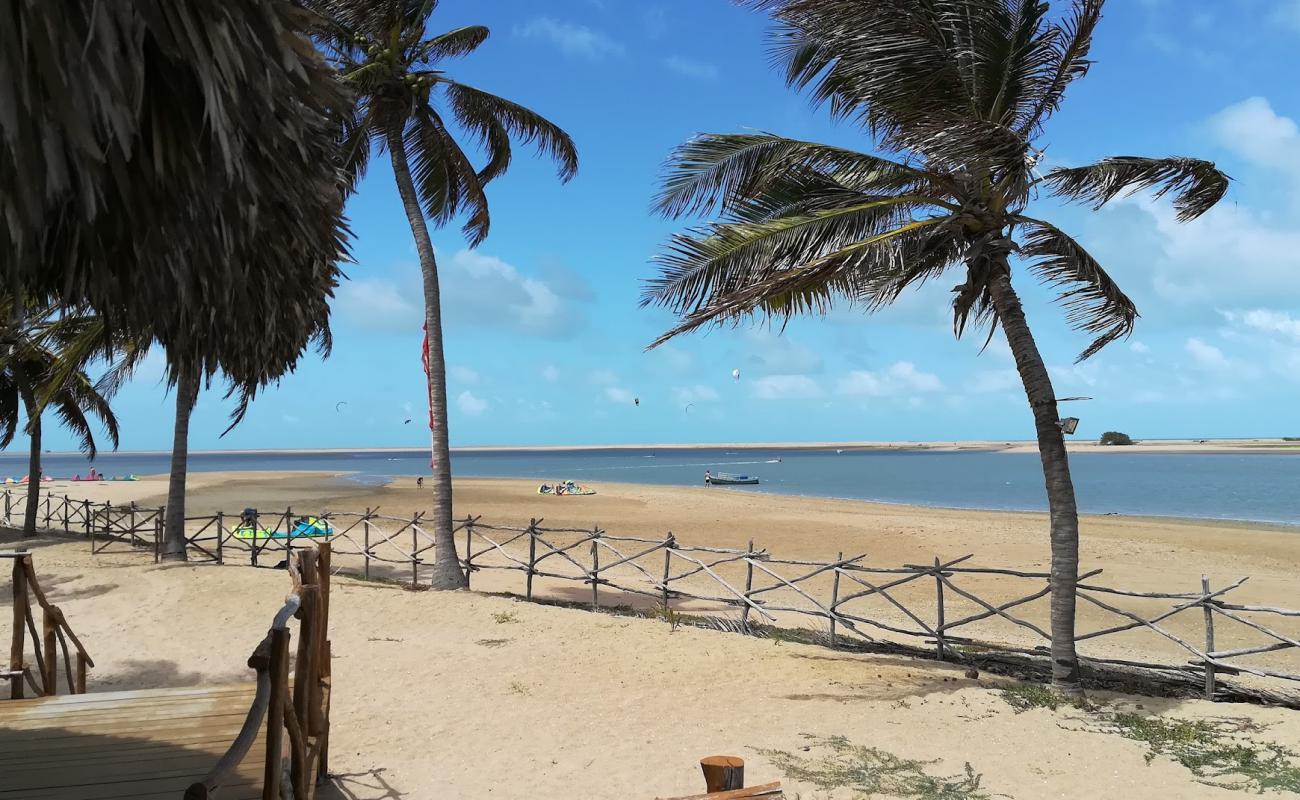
(871, 772)
(518, 688)
(667, 614)
(1116, 438)
(1024, 696)
(1215, 751)
(505, 617)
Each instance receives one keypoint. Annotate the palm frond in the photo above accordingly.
(458, 42)
(1093, 301)
(1197, 185)
(806, 287)
(479, 111)
(444, 177)
(723, 170)
(1069, 46)
(721, 258)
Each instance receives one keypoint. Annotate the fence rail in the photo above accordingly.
(944, 605)
(56, 633)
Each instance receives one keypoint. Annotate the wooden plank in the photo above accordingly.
(768, 790)
(115, 745)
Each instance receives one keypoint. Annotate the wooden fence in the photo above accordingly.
(299, 709)
(55, 636)
(950, 605)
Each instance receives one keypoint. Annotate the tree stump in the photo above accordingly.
(723, 773)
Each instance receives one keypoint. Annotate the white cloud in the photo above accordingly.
(995, 381)
(698, 393)
(469, 404)
(1257, 133)
(691, 68)
(902, 378)
(1207, 355)
(550, 374)
(572, 39)
(482, 290)
(1139, 348)
(379, 304)
(1074, 375)
(618, 394)
(1266, 321)
(1232, 254)
(464, 375)
(786, 387)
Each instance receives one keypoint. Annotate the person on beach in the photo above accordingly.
(708, 477)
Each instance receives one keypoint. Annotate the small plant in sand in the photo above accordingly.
(518, 688)
(667, 614)
(1216, 751)
(505, 617)
(871, 772)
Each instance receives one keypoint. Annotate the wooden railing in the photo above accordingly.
(53, 641)
(300, 709)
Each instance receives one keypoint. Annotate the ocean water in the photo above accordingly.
(1253, 487)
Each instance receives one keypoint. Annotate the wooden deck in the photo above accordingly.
(149, 744)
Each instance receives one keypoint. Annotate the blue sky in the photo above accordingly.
(545, 339)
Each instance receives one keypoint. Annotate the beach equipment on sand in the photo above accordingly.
(565, 488)
(304, 528)
(728, 479)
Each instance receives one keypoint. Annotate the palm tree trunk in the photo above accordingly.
(447, 573)
(1056, 473)
(33, 462)
(187, 394)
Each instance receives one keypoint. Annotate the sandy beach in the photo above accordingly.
(478, 695)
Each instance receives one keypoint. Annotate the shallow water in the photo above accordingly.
(1254, 487)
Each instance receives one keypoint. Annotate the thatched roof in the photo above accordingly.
(170, 163)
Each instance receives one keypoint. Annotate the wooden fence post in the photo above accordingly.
(595, 569)
(1209, 636)
(469, 549)
(279, 669)
(365, 532)
(532, 559)
(85, 507)
(20, 630)
(8, 499)
(668, 566)
(415, 545)
(749, 585)
(50, 679)
(65, 514)
(938, 628)
(723, 773)
(835, 596)
(221, 537)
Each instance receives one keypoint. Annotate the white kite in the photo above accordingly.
(735, 375)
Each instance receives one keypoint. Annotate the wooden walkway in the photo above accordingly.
(148, 744)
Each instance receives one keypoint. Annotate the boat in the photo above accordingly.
(304, 528)
(728, 479)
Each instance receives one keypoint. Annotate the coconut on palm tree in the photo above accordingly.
(410, 106)
(954, 95)
(43, 360)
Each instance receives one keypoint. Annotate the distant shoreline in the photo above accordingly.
(1197, 446)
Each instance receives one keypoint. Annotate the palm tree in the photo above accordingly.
(405, 104)
(43, 365)
(955, 95)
